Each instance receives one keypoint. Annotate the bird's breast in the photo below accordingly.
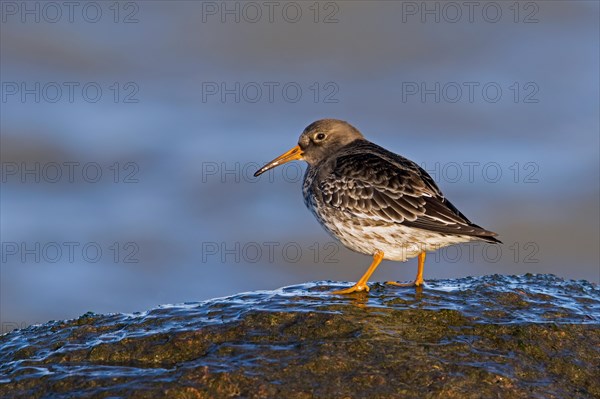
(308, 191)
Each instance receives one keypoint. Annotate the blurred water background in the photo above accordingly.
(130, 132)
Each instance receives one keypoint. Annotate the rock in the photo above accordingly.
(478, 337)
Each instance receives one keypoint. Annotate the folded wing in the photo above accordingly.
(393, 189)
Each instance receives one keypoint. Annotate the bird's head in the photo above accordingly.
(317, 142)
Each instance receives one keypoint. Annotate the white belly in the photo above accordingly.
(397, 242)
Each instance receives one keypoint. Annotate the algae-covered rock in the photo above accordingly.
(486, 337)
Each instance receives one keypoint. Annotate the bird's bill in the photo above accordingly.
(292, 155)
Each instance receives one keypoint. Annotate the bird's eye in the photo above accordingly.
(320, 136)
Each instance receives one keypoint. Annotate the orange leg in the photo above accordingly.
(361, 285)
(419, 280)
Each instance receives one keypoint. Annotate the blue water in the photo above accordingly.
(185, 158)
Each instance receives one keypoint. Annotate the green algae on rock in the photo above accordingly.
(493, 336)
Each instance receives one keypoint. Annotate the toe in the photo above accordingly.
(354, 288)
(397, 284)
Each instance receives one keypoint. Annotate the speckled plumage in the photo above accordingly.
(370, 198)
(374, 201)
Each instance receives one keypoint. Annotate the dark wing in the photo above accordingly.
(379, 185)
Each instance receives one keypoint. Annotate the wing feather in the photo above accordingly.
(389, 188)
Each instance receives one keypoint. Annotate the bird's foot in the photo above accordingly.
(358, 287)
(415, 283)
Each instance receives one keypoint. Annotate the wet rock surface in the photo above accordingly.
(493, 336)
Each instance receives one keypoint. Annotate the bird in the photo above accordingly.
(374, 201)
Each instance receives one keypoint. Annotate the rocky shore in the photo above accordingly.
(480, 337)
